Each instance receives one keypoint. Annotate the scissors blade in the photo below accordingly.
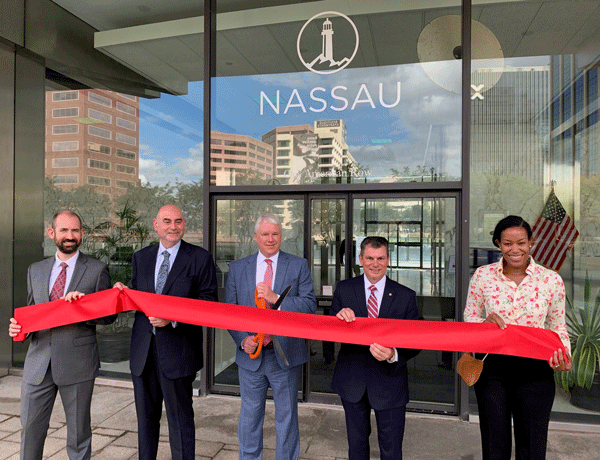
(279, 350)
(276, 305)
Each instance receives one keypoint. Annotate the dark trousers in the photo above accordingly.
(150, 389)
(390, 430)
(524, 389)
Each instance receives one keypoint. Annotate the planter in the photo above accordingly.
(114, 346)
(587, 399)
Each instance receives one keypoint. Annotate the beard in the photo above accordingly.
(67, 249)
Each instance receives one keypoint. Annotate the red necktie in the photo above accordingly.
(58, 290)
(372, 303)
(269, 282)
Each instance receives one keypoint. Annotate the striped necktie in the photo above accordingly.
(372, 303)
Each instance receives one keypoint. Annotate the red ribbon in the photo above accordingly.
(515, 340)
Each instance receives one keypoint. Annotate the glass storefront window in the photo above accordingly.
(351, 102)
(234, 226)
(534, 134)
(140, 155)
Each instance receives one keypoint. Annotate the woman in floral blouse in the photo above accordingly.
(516, 290)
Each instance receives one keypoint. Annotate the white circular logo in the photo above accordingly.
(331, 58)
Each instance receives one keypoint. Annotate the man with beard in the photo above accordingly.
(61, 359)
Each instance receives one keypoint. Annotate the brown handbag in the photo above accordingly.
(469, 368)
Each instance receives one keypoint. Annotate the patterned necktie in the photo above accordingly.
(269, 282)
(58, 290)
(163, 271)
(372, 303)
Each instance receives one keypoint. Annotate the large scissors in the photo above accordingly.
(259, 338)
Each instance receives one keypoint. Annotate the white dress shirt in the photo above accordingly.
(56, 269)
(380, 285)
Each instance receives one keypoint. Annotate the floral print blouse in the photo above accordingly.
(539, 301)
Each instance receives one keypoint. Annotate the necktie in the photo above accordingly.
(163, 271)
(58, 290)
(269, 282)
(372, 303)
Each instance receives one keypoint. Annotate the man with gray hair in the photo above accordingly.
(269, 272)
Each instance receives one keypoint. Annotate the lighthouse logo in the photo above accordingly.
(335, 52)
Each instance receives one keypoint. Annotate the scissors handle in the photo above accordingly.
(258, 338)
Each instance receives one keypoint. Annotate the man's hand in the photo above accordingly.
(346, 314)
(158, 322)
(264, 292)
(248, 344)
(381, 353)
(14, 328)
(73, 295)
(120, 286)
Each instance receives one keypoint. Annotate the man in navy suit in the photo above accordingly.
(373, 377)
(166, 355)
(269, 272)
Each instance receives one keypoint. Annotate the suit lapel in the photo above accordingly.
(44, 277)
(250, 278)
(361, 300)
(181, 262)
(386, 300)
(78, 271)
(147, 268)
(282, 267)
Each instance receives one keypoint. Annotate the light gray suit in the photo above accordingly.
(61, 359)
(268, 368)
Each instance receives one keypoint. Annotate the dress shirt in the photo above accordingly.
(261, 268)
(539, 301)
(159, 259)
(380, 285)
(56, 269)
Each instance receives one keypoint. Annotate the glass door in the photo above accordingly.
(422, 234)
(234, 220)
(327, 264)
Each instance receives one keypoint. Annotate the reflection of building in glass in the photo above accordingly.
(509, 129)
(574, 115)
(92, 138)
(234, 155)
(305, 153)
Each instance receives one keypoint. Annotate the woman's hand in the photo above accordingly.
(558, 362)
(496, 318)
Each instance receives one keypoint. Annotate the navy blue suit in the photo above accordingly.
(364, 383)
(268, 368)
(164, 365)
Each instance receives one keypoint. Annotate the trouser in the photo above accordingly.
(390, 430)
(524, 389)
(253, 388)
(37, 402)
(150, 389)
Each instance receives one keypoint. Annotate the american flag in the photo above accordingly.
(554, 234)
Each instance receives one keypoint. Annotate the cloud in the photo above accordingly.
(180, 169)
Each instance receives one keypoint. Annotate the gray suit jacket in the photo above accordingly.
(72, 349)
(239, 289)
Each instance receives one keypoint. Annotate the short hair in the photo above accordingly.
(375, 242)
(66, 212)
(269, 218)
(510, 222)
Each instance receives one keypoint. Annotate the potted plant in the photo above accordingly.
(114, 243)
(582, 381)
